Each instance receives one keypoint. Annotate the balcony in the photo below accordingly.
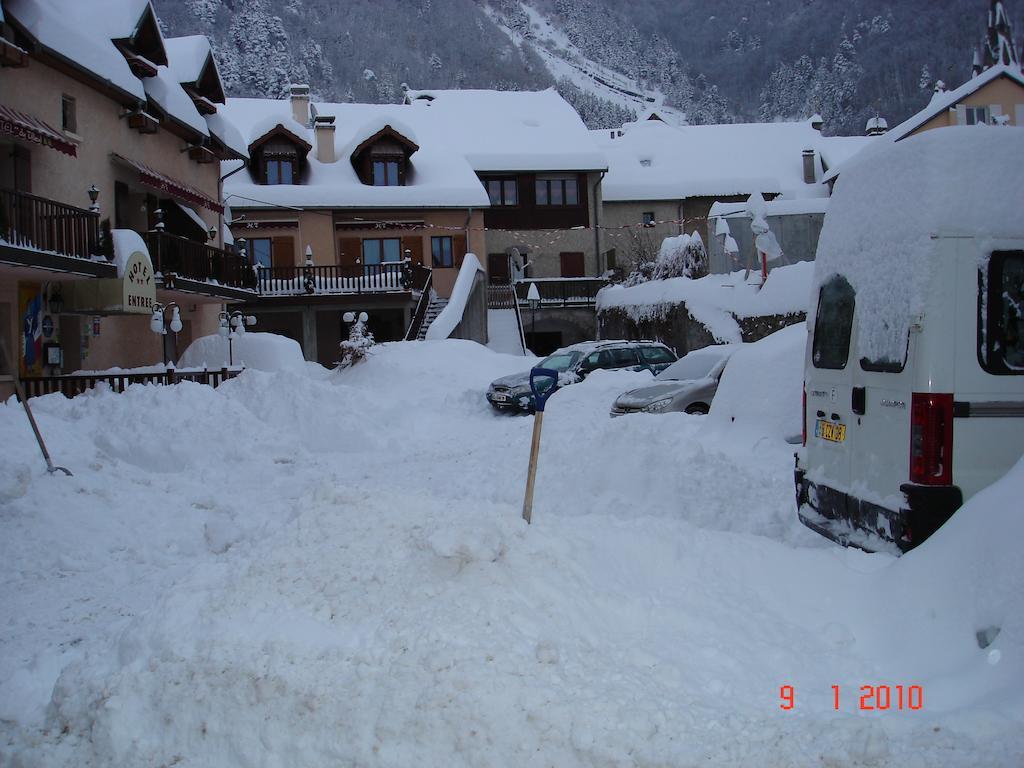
(562, 291)
(178, 259)
(35, 223)
(390, 277)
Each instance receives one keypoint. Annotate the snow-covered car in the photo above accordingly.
(688, 385)
(574, 362)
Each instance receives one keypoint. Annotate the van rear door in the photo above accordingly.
(988, 428)
(828, 397)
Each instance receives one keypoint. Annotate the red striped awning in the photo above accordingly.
(29, 128)
(179, 189)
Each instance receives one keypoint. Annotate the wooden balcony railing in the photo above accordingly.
(34, 222)
(72, 385)
(338, 278)
(174, 255)
(563, 292)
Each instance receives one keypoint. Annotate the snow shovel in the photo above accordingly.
(540, 399)
(39, 438)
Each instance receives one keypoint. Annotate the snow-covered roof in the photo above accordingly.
(943, 101)
(891, 202)
(513, 130)
(458, 134)
(82, 34)
(652, 160)
(167, 93)
(779, 207)
(187, 56)
(940, 102)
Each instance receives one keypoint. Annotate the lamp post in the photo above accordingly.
(231, 326)
(159, 326)
(94, 194)
(533, 298)
(308, 281)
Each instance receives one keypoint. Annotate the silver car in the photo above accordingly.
(688, 385)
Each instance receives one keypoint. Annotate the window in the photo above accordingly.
(557, 191)
(385, 250)
(279, 170)
(657, 355)
(385, 173)
(622, 358)
(502, 191)
(260, 251)
(648, 218)
(1001, 314)
(833, 325)
(68, 114)
(441, 249)
(976, 115)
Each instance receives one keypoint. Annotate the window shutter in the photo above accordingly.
(458, 249)
(961, 114)
(282, 251)
(1020, 115)
(994, 111)
(413, 244)
(349, 249)
(572, 263)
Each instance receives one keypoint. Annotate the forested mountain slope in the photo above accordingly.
(715, 61)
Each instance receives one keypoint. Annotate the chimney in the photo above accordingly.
(810, 177)
(299, 97)
(323, 130)
(876, 126)
(976, 66)
(817, 122)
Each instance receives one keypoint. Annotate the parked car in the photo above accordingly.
(575, 362)
(914, 367)
(688, 385)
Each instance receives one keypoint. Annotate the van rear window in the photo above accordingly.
(831, 347)
(1001, 314)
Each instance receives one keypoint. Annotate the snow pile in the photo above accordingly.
(762, 384)
(346, 580)
(126, 242)
(716, 300)
(680, 256)
(450, 317)
(262, 351)
(890, 204)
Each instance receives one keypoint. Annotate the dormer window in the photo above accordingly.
(278, 157)
(385, 172)
(382, 160)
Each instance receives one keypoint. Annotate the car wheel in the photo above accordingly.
(700, 408)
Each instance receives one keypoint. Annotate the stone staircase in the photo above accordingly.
(433, 310)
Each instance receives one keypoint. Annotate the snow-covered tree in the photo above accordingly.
(357, 346)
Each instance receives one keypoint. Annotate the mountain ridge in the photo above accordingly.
(740, 60)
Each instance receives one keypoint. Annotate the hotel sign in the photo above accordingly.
(138, 285)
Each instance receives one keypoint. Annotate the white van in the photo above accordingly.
(914, 369)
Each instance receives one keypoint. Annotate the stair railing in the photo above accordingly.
(421, 308)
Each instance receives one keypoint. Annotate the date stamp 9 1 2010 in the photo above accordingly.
(871, 698)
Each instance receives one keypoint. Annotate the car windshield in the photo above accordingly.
(690, 367)
(560, 361)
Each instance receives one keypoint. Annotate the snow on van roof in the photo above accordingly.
(893, 201)
(652, 160)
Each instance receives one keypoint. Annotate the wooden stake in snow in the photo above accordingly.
(541, 392)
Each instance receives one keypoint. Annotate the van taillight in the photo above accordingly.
(804, 423)
(931, 439)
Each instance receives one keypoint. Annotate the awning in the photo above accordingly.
(33, 129)
(173, 187)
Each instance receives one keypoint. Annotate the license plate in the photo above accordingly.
(500, 398)
(827, 430)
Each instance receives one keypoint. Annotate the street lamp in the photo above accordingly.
(533, 298)
(94, 193)
(231, 326)
(159, 326)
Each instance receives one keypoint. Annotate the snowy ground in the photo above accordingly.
(307, 568)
